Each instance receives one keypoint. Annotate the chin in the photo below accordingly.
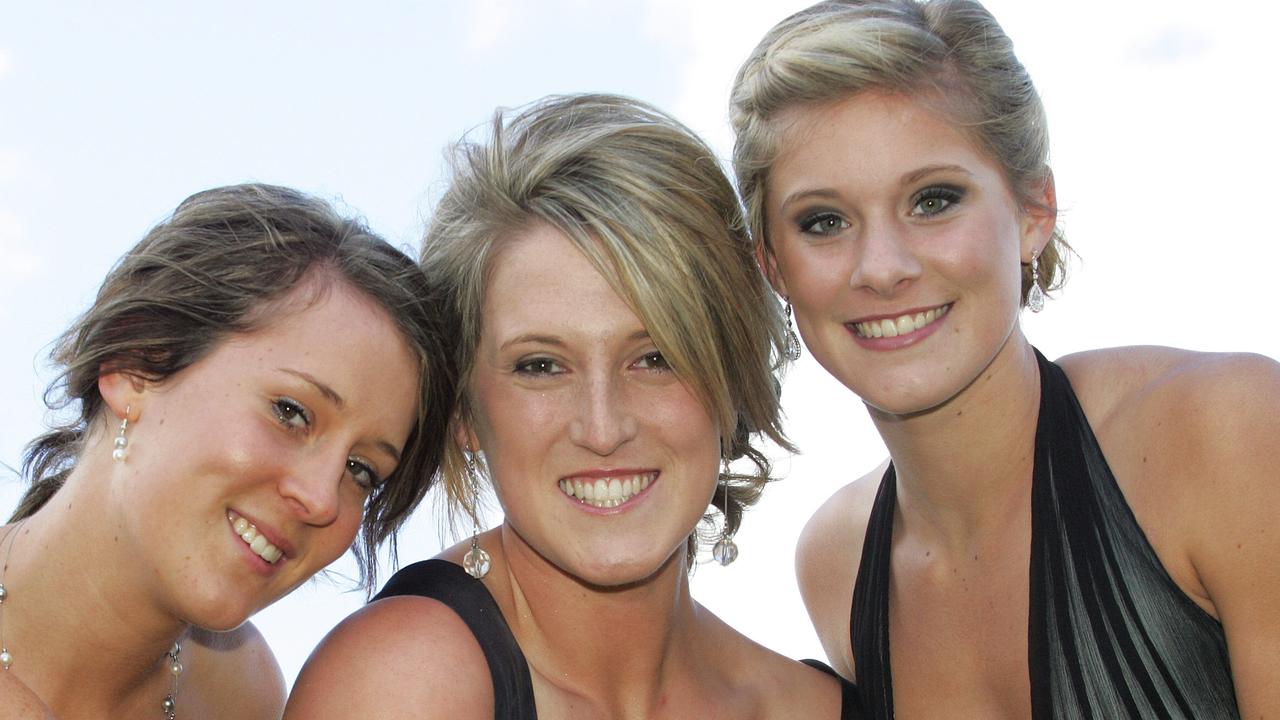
(619, 573)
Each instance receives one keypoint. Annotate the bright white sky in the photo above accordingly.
(1162, 115)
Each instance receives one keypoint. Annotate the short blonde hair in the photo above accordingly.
(948, 50)
(647, 202)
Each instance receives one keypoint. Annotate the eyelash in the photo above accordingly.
(808, 224)
(656, 362)
(355, 466)
(287, 410)
(538, 367)
(949, 195)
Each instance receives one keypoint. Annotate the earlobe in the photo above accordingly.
(122, 393)
(463, 435)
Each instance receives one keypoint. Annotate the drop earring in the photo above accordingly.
(476, 561)
(725, 551)
(121, 450)
(1035, 296)
(791, 344)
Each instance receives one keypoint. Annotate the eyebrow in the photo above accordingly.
(554, 340)
(325, 390)
(339, 402)
(931, 169)
(908, 179)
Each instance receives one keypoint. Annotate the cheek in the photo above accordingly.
(813, 275)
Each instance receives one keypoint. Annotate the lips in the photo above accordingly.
(255, 540)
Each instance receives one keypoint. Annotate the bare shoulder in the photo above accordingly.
(827, 558)
(773, 685)
(399, 657)
(20, 703)
(231, 674)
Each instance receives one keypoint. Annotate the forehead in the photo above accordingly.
(539, 277)
(872, 136)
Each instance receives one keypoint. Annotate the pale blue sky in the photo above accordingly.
(1161, 114)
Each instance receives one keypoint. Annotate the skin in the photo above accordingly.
(566, 384)
(251, 428)
(956, 405)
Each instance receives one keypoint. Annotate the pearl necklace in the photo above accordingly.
(168, 707)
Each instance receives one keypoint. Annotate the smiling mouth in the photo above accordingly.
(248, 532)
(901, 325)
(607, 492)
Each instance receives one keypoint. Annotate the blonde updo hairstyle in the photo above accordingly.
(951, 54)
(648, 204)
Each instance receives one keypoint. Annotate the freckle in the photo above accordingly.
(1239, 545)
(1144, 458)
(959, 413)
(928, 553)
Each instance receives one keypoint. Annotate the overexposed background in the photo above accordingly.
(1162, 116)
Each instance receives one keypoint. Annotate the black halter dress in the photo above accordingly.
(1110, 634)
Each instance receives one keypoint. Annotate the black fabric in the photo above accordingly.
(850, 702)
(450, 584)
(1109, 633)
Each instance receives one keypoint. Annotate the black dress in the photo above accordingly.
(1110, 634)
(512, 685)
(470, 599)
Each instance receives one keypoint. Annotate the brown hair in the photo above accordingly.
(211, 270)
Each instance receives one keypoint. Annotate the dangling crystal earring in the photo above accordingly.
(122, 443)
(476, 561)
(791, 345)
(725, 551)
(1035, 296)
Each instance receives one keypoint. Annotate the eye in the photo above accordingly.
(291, 413)
(538, 366)
(823, 223)
(653, 361)
(934, 200)
(363, 473)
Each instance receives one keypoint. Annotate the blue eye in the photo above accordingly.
(538, 366)
(934, 200)
(291, 413)
(363, 473)
(823, 223)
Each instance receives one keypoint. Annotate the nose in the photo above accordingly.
(312, 486)
(885, 261)
(603, 420)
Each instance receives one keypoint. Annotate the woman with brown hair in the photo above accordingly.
(258, 380)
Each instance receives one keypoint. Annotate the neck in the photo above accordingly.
(574, 634)
(965, 467)
(83, 639)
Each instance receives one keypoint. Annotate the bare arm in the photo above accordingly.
(402, 657)
(827, 557)
(1235, 550)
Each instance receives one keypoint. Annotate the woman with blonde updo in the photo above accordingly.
(1087, 538)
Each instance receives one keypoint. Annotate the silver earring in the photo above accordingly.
(791, 345)
(476, 561)
(725, 551)
(1035, 296)
(121, 450)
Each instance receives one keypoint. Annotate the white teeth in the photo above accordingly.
(901, 325)
(256, 541)
(608, 493)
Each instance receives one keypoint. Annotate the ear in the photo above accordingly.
(1039, 219)
(123, 393)
(463, 434)
(769, 266)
